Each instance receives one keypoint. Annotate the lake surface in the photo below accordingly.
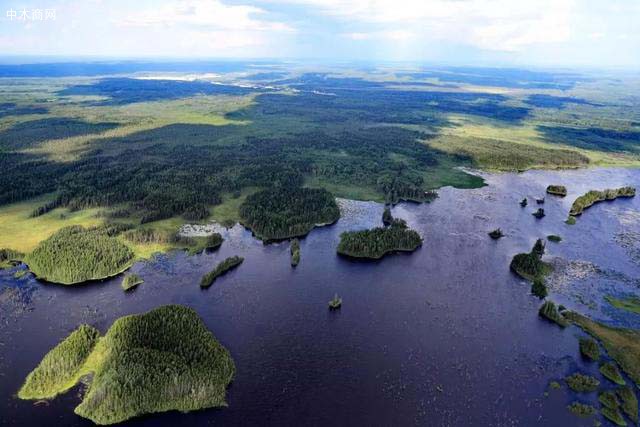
(445, 336)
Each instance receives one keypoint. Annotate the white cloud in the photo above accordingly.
(507, 25)
(396, 35)
(204, 13)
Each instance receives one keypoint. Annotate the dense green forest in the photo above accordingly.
(160, 361)
(62, 367)
(377, 242)
(282, 213)
(223, 267)
(530, 265)
(76, 254)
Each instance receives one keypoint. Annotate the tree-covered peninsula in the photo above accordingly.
(377, 242)
(160, 361)
(283, 213)
(76, 254)
(594, 196)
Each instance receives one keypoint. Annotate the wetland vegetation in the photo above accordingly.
(611, 372)
(623, 345)
(168, 353)
(589, 348)
(630, 304)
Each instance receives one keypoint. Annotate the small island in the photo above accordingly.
(539, 213)
(378, 242)
(496, 234)
(169, 355)
(222, 268)
(610, 371)
(335, 303)
(76, 254)
(131, 281)
(594, 196)
(295, 252)
(582, 383)
(530, 265)
(557, 190)
(283, 213)
(524, 202)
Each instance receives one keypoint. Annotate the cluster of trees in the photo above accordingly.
(163, 360)
(7, 256)
(550, 311)
(557, 190)
(130, 281)
(162, 236)
(295, 252)
(594, 196)
(582, 383)
(530, 265)
(281, 213)
(377, 242)
(181, 169)
(76, 254)
(61, 368)
(224, 266)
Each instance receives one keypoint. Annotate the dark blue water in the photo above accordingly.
(445, 336)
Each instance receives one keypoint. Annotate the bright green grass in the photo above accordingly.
(20, 232)
(169, 355)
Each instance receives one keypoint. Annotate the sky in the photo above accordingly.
(558, 33)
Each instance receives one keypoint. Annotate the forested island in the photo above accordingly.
(283, 213)
(168, 353)
(131, 281)
(76, 254)
(557, 190)
(223, 267)
(594, 196)
(530, 265)
(295, 252)
(377, 242)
